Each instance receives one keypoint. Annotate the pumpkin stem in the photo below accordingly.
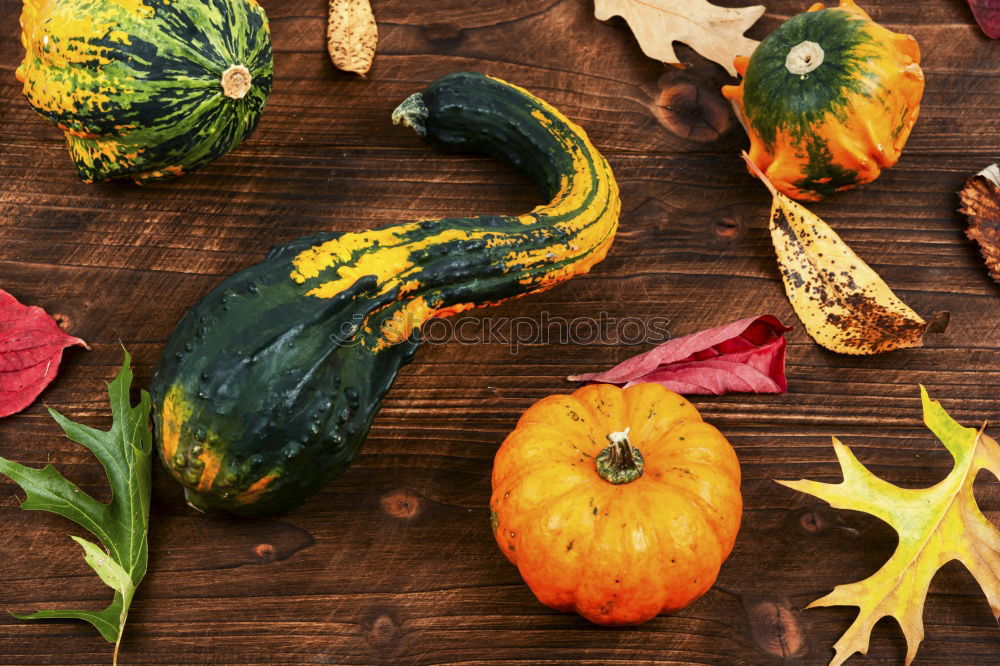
(804, 57)
(620, 462)
(236, 82)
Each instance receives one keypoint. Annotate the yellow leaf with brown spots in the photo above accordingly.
(351, 35)
(936, 525)
(843, 304)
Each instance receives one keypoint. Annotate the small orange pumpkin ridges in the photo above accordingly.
(616, 553)
(828, 100)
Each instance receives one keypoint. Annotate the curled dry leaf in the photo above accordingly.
(351, 35)
(936, 525)
(987, 13)
(981, 203)
(31, 346)
(714, 32)
(843, 304)
(745, 356)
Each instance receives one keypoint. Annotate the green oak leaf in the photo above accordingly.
(120, 526)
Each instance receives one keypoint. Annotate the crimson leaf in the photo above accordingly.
(31, 346)
(987, 13)
(745, 356)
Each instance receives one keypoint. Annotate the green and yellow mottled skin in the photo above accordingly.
(268, 386)
(137, 85)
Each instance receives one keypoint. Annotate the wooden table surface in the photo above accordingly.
(394, 562)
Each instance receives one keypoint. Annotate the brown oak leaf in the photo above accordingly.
(981, 204)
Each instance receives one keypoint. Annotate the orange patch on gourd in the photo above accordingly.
(253, 492)
(212, 465)
(174, 413)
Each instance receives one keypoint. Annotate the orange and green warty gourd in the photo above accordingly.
(828, 100)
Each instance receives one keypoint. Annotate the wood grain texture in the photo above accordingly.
(394, 563)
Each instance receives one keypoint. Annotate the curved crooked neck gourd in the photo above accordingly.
(268, 386)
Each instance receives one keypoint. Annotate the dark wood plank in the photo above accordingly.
(394, 562)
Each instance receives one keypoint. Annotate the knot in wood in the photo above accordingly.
(816, 521)
(728, 228)
(384, 631)
(775, 629)
(438, 32)
(691, 112)
(401, 504)
(266, 552)
(811, 522)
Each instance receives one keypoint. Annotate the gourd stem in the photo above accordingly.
(620, 462)
(236, 82)
(621, 449)
(412, 113)
(804, 57)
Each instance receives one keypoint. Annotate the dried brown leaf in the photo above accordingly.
(351, 35)
(981, 203)
(714, 32)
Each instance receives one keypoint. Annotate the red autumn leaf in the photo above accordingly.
(746, 356)
(987, 13)
(31, 346)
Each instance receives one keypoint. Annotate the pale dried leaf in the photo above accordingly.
(936, 525)
(981, 204)
(843, 303)
(351, 35)
(714, 32)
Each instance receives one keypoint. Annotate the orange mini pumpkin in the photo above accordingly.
(828, 100)
(617, 504)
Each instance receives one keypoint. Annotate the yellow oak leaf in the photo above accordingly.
(936, 525)
(714, 32)
(842, 302)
